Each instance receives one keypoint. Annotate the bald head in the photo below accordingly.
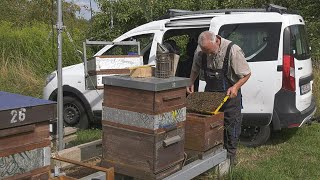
(206, 36)
(208, 42)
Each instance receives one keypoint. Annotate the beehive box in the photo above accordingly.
(203, 132)
(24, 136)
(145, 95)
(143, 154)
(143, 125)
(101, 66)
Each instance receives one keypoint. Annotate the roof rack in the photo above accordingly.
(269, 8)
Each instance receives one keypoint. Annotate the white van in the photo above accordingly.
(278, 94)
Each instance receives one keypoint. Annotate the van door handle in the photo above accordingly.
(279, 68)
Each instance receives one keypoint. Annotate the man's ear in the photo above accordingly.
(217, 39)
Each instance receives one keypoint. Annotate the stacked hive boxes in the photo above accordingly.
(143, 125)
(24, 136)
(203, 132)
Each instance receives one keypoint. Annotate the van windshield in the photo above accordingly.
(299, 42)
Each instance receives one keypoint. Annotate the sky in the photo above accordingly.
(85, 7)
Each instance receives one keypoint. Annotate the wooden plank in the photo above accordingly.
(135, 172)
(108, 171)
(29, 115)
(37, 174)
(109, 71)
(17, 130)
(25, 141)
(9, 151)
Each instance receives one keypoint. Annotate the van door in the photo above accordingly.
(302, 65)
(260, 42)
(294, 103)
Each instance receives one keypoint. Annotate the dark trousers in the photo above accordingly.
(232, 125)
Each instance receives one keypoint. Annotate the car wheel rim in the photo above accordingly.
(250, 133)
(71, 114)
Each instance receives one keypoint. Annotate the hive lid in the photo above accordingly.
(148, 84)
(17, 110)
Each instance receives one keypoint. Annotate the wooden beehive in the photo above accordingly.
(24, 136)
(101, 66)
(143, 101)
(143, 125)
(203, 132)
(141, 153)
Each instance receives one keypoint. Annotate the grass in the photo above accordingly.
(20, 78)
(28, 55)
(84, 136)
(290, 154)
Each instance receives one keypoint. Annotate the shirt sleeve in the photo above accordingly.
(239, 63)
(196, 65)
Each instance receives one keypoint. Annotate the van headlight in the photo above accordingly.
(50, 77)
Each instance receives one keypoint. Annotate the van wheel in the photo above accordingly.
(253, 136)
(74, 113)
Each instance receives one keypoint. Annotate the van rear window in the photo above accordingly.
(299, 42)
(259, 41)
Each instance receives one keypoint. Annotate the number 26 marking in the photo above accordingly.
(20, 113)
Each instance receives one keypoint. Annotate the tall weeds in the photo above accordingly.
(28, 54)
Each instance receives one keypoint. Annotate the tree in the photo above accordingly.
(25, 12)
(127, 14)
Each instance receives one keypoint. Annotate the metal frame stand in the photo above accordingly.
(188, 171)
(199, 166)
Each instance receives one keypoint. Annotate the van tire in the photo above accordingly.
(253, 136)
(74, 113)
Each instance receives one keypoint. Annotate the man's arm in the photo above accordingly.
(233, 90)
(193, 77)
(195, 71)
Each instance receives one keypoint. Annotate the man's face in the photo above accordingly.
(210, 47)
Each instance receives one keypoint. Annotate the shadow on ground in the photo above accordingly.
(279, 137)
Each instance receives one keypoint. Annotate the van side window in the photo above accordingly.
(259, 41)
(145, 45)
(299, 42)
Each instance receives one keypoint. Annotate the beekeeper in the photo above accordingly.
(223, 66)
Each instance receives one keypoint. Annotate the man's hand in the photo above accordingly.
(233, 91)
(190, 89)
